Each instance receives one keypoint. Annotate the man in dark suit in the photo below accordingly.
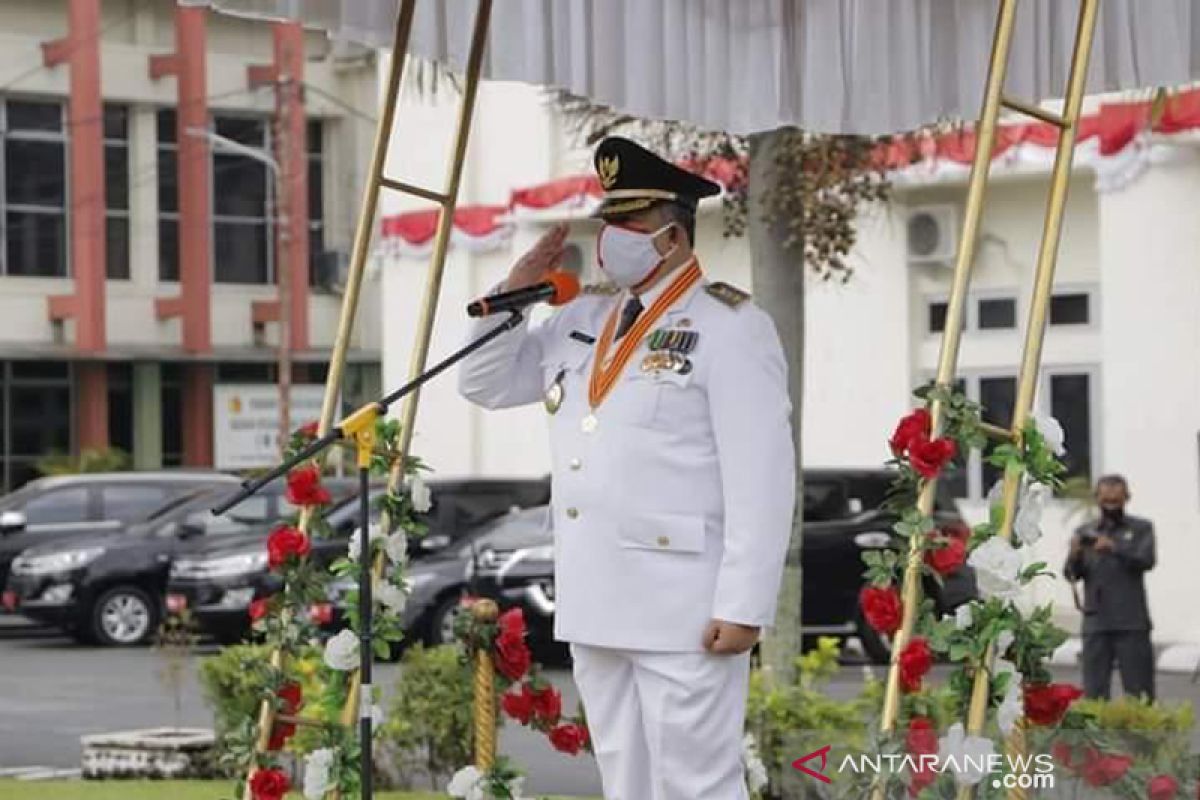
(1111, 556)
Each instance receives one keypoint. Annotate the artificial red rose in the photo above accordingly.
(513, 658)
(269, 784)
(259, 608)
(321, 613)
(1162, 787)
(518, 705)
(280, 735)
(308, 430)
(569, 738)
(915, 660)
(547, 705)
(922, 737)
(512, 622)
(881, 608)
(929, 456)
(1045, 703)
(1063, 753)
(1102, 769)
(304, 487)
(922, 779)
(947, 554)
(292, 696)
(917, 424)
(285, 542)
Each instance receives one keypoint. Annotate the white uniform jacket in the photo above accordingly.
(678, 507)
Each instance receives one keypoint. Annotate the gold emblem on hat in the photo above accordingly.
(607, 169)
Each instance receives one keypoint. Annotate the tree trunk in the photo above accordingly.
(778, 275)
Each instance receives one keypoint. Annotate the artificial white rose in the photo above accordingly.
(422, 498)
(341, 651)
(1052, 431)
(756, 770)
(466, 784)
(355, 545)
(317, 766)
(1028, 524)
(391, 596)
(396, 548)
(966, 755)
(1012, 707)
(997, 569)
(963, 617)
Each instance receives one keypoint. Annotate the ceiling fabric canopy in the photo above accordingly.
(839, 66)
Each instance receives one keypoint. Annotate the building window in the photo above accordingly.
(998, 396)
(1071, 404)
(116, 191)
(120, 407)
(168, 197)
(937, 316)
(171, 396)
(35, 404)
(997, 313)
(316, 201)
(1070, 309)
(243, 249)
(34, 202)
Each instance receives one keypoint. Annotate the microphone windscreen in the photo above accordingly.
(566, 286)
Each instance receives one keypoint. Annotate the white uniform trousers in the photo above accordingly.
(665, 726)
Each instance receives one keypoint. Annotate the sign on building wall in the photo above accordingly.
(246, 422)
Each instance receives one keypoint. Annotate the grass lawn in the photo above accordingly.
(148, 790)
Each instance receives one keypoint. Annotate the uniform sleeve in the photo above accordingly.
(1075, 569)
(507, 371)
(751, 421)
(1137, 552)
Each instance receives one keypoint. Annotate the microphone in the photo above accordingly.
(558, 288)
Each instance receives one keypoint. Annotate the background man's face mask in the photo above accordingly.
(628, 257)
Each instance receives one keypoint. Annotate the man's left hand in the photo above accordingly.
(1104, 544)
(729, 638)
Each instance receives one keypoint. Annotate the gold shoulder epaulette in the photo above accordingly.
(729, 295)
(600, 288)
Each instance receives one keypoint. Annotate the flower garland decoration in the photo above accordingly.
(524, 695)
(291, 622)
(1020, 642)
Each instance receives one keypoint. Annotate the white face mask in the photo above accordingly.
(628, 257)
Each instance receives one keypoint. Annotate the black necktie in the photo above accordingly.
(629, 315)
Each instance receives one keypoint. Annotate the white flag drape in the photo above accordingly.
(849, 66)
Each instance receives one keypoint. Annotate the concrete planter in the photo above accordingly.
(155, 753)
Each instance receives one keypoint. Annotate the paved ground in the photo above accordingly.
(53, 691)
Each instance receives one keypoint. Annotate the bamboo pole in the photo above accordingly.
(1035, 331)
(485, 693)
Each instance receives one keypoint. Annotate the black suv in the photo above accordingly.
(48, 508)
(108, 587)
(842, 518)
(217, 582)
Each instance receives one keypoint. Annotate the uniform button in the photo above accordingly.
(576, 464)
(664, 541)
(572, 513)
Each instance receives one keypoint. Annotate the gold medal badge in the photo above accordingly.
(553, 399)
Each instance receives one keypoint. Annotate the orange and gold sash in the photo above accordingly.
(606, 371)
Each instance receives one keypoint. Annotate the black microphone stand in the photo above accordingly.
(360, 427)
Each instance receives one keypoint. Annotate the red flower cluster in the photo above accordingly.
(259, 608)
(1162, 787)
(308, 430)
(1045, 703)
(926, 455)
(269, 784)
(542, 705)
(881, 608)
(513, 658)
(321, 613)
(947, 554)
(922, 737)
(304, 487)
(292, 699)
(915, 661)
(286, 542)
(569, 738)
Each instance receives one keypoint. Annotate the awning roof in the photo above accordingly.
(848, 66)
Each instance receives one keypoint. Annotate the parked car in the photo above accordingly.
(108, 587)
(219, 581)
(842, 518)
(48, 508)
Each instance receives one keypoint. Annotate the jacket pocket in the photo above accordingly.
(668, 533)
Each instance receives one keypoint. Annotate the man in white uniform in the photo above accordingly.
(673, 481)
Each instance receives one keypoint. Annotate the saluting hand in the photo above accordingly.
(1104, 543)
(541, 258)
(729, 638)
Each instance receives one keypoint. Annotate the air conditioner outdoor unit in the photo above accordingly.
(932, 235)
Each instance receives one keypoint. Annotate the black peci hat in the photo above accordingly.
(633, 179)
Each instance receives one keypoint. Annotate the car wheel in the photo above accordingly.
(440, 629)
(877, 646)
(123, 616)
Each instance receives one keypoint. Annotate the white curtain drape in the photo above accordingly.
(850, 66)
